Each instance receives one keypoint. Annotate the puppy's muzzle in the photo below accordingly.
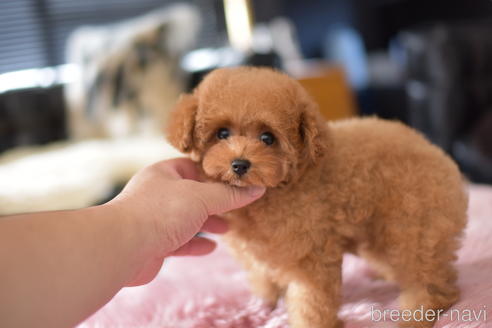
(240, 166)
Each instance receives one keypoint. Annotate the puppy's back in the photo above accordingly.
(396, 159)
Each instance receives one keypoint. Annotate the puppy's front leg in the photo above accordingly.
(264, 287)
(313, 298)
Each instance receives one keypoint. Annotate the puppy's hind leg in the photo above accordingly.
(430, 286)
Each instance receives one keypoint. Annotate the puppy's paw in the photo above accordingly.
(337, 323)
(270, 304)
(416, 324)
(267, 291)
(269, 297)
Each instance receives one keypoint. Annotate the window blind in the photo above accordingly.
(33, 32)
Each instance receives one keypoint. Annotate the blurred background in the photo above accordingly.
(85, 86)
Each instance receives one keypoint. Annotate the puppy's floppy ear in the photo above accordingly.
(181, 123)
(313, 131)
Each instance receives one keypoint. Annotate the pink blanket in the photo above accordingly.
(212, 291)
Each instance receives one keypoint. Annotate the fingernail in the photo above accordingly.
(255, 191)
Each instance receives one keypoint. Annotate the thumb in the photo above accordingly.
(219, 198)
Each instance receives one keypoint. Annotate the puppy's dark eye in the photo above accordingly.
(223, 133)
(267, 138)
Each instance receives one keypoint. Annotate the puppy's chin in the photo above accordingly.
(249, 179)
(241, 183)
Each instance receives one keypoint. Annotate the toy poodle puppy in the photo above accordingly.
(367, 186)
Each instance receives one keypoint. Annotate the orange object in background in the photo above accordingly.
(328, 86)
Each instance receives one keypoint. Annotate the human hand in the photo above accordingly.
(170, 206)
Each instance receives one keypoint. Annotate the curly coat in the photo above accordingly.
(368, 186)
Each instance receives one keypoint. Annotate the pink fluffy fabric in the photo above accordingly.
(212, 291)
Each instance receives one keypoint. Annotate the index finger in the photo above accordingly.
(181, 168)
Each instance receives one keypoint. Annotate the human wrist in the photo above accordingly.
(131, 235)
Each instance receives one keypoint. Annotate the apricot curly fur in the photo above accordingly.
(368, 186)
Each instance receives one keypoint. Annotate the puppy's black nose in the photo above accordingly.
(240, 166)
